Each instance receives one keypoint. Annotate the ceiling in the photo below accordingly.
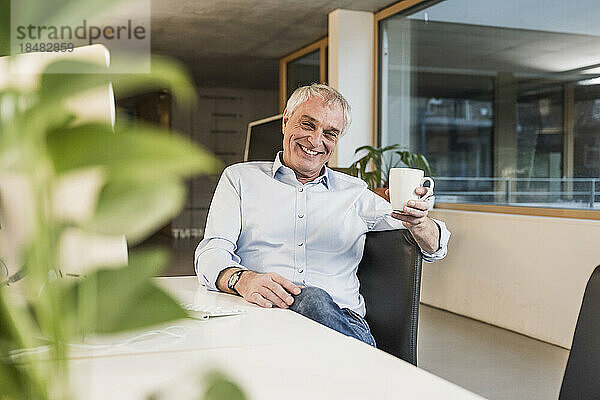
(238, 43)
(457, 59)
(493, 49)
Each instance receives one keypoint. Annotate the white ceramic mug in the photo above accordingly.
(403, 182)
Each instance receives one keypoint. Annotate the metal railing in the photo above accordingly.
(551, 192)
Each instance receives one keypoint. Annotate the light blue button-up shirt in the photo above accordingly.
(263, 219)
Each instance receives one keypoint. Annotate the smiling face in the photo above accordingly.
(310, 135)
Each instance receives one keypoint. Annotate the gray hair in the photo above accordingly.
(325, 92)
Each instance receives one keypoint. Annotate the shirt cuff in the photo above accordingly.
(208, 275)
(443, 248)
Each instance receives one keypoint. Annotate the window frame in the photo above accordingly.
(410, 6)
(320, 45)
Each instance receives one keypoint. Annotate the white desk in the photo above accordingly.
(271, 353)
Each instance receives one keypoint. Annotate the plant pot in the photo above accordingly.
(381, 192)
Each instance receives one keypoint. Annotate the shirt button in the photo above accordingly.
(300, 244)
(300, 215)
(301, 270)
(301, 189)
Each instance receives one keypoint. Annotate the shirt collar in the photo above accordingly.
(278, 164)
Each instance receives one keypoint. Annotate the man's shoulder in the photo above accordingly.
(247, 173)
(249, 167)
(344, 181)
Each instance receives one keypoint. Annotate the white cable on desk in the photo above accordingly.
(110, 347)
(16, 354)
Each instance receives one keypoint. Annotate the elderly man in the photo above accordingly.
(291, 233)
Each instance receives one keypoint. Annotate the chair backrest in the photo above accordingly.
(390, 279)
(582, 375)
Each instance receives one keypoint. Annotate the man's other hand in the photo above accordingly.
(414, 217)
(267, 290)
(415, 212)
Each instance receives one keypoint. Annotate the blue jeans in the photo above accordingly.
(316, 304)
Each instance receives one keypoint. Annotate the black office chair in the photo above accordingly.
(390, 279)
(582, 375)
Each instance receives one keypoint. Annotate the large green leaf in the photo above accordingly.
(221, 387)
(369, 149)
(125, 298)
(14, 381)
(16, 378)
(4, 27)
(140, 152)
(153, 306)
(135, 209)
(164, 74)
(391, 147)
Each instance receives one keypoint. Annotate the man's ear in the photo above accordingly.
(284, 120)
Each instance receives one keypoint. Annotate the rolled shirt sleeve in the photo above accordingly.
(217, 249)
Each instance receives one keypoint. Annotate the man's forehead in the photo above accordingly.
(319, 103)
(315, 120)
(321, 111)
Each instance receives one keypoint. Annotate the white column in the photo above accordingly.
(351, 57)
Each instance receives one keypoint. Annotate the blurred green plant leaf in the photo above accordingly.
(145, 167)
(4, 27)
(164, 74)
(126, 298)
(15, 376)
(135, 209)
(133, 152)
(220, 387)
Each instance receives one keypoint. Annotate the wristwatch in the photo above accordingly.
(233, 280)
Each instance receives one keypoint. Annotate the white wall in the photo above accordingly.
(351, 50)
(522, 273)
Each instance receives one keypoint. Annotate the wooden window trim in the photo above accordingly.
(321, 45)
(378, 16)
(522, 210)
(396, 8)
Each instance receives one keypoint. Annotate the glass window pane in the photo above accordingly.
(454, 126)
(502, 97)
(539, 143)
(303, 71)
(587, 131)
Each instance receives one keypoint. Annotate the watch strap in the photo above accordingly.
(234, 279)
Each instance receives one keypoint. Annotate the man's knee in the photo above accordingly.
(312, 302)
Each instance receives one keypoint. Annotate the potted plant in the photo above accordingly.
(374, 167)
(64, 184)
